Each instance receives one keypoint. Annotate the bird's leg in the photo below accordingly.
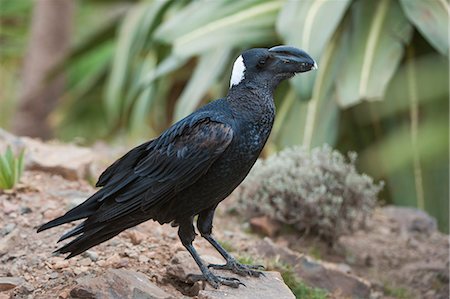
(186, 233)
(204, 225)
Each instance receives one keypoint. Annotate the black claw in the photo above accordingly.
(243, 270)
(215, 281)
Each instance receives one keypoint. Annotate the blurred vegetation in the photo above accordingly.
(317, 192)
(11, 168)
(381, 89)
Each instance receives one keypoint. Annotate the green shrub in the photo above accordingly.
(317, 192)
(11, 168)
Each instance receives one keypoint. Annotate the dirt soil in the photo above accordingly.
(398, 265)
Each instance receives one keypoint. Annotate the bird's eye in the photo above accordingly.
(261, 62)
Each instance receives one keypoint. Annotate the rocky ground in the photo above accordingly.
(399, 255)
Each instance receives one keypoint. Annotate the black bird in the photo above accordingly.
(192, 166)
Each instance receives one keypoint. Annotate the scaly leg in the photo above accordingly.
(187, 234)
(204, 225)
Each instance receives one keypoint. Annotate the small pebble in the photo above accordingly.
(143, 259)
(85, 262)
(60, 264)
(92, 255)
(9, 228)
(25, 210)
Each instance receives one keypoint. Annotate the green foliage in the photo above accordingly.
(247, 260)
(315, 191)
(297, 286)
(396, 292)
(11, 168)
(14, 19)
(300, 289)
(381, 89)
(227, 246)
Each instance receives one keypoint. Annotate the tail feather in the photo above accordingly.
(73, 232)
(92, 236)
(81, 211)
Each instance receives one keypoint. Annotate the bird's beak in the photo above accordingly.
(293, 60)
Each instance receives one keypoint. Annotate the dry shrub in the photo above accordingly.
(317, 192)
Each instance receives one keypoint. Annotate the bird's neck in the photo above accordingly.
(251, 97)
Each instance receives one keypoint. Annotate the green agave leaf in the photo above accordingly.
(121, 61)
(431, 18)
(209, 67)
(21, 162)
(168, 65)
(312, 33)
(103, 34)
(89, 71)
(3, 181)
(379, 32)
(289, 125)
(205, 12)
(322, 110)
(393, 152)
(139, 114)
(251, 24)
(6, 170)
(138, 23)
(134, 88)
(432, 77)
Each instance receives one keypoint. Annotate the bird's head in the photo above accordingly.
(270, 66)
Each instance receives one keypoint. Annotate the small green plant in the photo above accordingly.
(297, 286)
(396, 292)
(11, 168)
(227, 245)
(248, 260)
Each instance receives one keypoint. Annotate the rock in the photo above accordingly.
(182, 264)
(410, 219)
(118, 284)
(85, 262)
(265, 226)
(114, 260)
(9, 207)
(135, 236)
(8, 283)
(60, 264)
(315, 273)
(9, 228)
(68, 160)
(266, 287)
(92, 255)
(9, 241)
(52, 214)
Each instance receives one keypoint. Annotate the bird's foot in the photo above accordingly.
(241, 269)
(215, 281)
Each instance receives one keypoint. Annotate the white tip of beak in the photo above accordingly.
(315, 66)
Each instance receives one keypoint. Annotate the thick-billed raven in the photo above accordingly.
(192, 166)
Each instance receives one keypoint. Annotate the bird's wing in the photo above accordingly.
(153, 172)
(165, 166)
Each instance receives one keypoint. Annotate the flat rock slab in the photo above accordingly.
(269, 286)
(118, 284)
(70, 161)
(316, 273)
(265, 287)
(8, 283)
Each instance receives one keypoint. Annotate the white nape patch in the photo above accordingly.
(237, 75)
